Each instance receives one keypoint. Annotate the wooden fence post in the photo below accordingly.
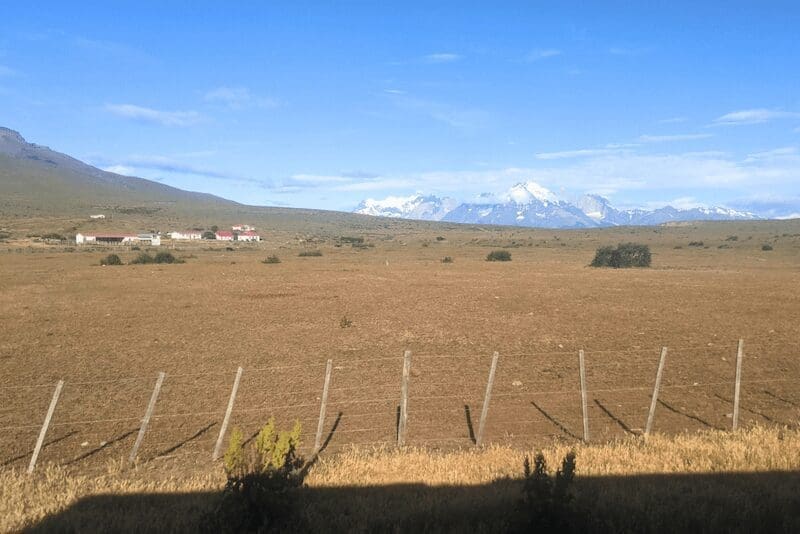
(401, 426)
(226, 419)
(583, 397)
(147, 414)
(486, 398)
(43, 431)
(322, 407)
(737, 387)
(654, 400)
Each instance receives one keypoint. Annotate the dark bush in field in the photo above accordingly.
(272, 259)
(624, 255)
(209, 235)
(766, 247)
(143, 258)
(111, 259)
(310, 253)
(696, 243)
(447, 259)
(166, 257)
(498, 255)
(547, 502)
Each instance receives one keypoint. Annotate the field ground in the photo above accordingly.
(712, 481)
(107, 331)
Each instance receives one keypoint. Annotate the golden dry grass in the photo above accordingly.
(440, 482)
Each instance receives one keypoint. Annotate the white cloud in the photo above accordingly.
(120, 169)
(540, 54)
(165, 118)
(784, 152)
(582, 152)
(671, 138)
(441, 57)
(239, 98)
(754, 116)
(465, 119)
(673, 120)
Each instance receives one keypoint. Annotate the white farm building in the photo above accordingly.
(118, 239)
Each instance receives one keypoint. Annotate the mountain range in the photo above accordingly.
(530, 204)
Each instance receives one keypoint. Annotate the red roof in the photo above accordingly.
(249, 233)
(224, 233)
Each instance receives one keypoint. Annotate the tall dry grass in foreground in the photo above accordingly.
(709, 481)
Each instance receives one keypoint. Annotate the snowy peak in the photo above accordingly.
(526, 192)
(530, 204)
(429, 208)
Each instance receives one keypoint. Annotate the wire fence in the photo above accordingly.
(535, 396)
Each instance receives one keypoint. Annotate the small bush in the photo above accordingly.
(136, 247)
(547, 503)
(272, 259)
(447, 259)
(732, 238)
(766, 246)
(498, 255)
(166, 257)
(54, 236)
(696, 243)
(143, 258)
(209, 235)
(229, 249)
(624, 255)
(439, 238)
(354, 240)
(111, 259)
(344, 322)
(262, 479)
(310, 253)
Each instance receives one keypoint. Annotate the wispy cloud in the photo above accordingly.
(441, 57)
(628, 51)
(672, 120)
(165, 118)
(671, 138)
(239, 98)
(467, 120)
(582, 152)
(138, 164)
(776, 153)
(540, 54)
(754, 116)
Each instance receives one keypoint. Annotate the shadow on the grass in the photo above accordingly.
(746, 502)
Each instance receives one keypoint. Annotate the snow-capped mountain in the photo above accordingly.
(525, 204)
(427, 208)
(530, 204)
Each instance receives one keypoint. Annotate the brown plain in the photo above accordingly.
(108, 331)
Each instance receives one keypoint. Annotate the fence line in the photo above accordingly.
(406, 425)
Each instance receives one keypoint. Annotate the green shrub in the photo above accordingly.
(166, 257)
(498, 255)
(272, 259)
(143, 258)
(111, 259)
(547, 502)
(766, 247)
(209, 235)
(262, 481)
(439, 238)
(732, 238)
(344, 322)
(347, 239)
(310, 253)
(447, 259)
(624, 255)
(696, 243)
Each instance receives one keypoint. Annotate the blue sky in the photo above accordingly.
(323, 104)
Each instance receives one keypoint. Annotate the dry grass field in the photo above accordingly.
(711, 481)
(108, 331)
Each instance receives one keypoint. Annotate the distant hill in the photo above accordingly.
(35, 180)
(42, 190)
